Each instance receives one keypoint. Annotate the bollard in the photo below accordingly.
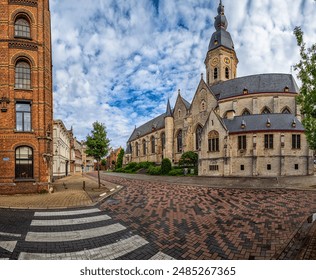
(84, 185)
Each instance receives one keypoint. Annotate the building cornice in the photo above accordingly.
(31, 3)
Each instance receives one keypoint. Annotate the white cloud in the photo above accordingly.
(118, 61)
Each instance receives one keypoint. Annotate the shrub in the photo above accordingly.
(130, 166)
(144, 164)
(119, 170)
(189, 159)
(165, 166)
(154, 170)
(176, 172)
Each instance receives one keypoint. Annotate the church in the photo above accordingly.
(239, 126)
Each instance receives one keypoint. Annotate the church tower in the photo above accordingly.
(26, 98)
(221, 60)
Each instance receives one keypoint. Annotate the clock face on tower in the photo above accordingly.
(226, 60)
(214, 61)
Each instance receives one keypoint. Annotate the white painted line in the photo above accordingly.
(66, 213)
(64, 222)
(103, 194)
(8, 245)
(4, 259)
(111, 190)
(161, 256)
(63, 236)
(107, 252)
(10, 234)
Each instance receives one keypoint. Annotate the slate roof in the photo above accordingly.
(186, 103)
(261, 83)
(255, 123)
(221, 38)
(156, 123)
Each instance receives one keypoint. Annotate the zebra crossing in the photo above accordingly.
(84, 234)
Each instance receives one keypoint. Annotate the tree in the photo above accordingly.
(165, 166)
(97, 144)
(189, 159)
(120, 156)
(307, 98)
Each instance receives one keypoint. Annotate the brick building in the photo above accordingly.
(26, 99)
(111, 159)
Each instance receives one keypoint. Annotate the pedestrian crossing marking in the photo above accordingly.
(64, 222)
(8, 245)
(107, 252)
(66, 213)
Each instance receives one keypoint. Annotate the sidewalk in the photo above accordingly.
(68, 193)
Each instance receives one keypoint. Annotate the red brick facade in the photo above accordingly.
(26, 101)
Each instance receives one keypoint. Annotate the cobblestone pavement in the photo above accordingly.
(196, 222)
(152, 219)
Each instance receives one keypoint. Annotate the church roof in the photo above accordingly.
(154, 124)
(186, 103)
(261, 83)
(253, 123)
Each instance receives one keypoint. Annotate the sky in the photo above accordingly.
(118, 61)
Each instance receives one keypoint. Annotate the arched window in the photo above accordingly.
(163, 140)
(22, 28)
(213, 141)
(266, 110)
(179, 113)
(137, 149)
(144, 147)
(179, 141)
(246, 112)
(215, 73)
(24, 163)
(22, 75)
(227, 73)
(153, 144)
(286, 110)
(198, 137)
(203, 105)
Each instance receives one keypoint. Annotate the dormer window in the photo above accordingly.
(286, 89)
(268, 123)
(245, 91)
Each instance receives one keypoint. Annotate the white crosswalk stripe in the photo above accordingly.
(80, 229)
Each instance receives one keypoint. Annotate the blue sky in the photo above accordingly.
(118, 61)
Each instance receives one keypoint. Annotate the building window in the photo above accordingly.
(286, 110)
(23, 116)
(22, 75)
(163, 140)
(268, 141)
(137, 149)
(179, 141)
(24, 163)
(266, 110)
(268, 166)
(179, 113)
(215, 73)
(246, 112)
(153, 144)
(296, 141)
(214, 167)
(198, 137)
(242, 142)
(144, 147)
(296, 166)
(22, 28)
(227, 73)
(203, 105)
(213, 141)
(242, 167)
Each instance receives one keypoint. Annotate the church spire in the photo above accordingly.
(168, 111)
(220, 19)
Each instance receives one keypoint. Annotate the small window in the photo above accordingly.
(296, 141)
(268, 166)
(137, 149)
(214, 167)
(22, 28)
(24, 163)
(296, 166)
(144, 147)
(266, 110)
(242, 142)
(286, 111)
(242, 167)
(179, 113)
(268, 141)
(179, 141)
(246, 112)
(215, 73)
(22, 75)
(153, 144)
(23, 116)
(213, 141)
(227, 73)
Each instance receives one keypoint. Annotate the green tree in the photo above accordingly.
(189, 159)
(307, 74)
(97, 144)
(120, 156)
(165, 166)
